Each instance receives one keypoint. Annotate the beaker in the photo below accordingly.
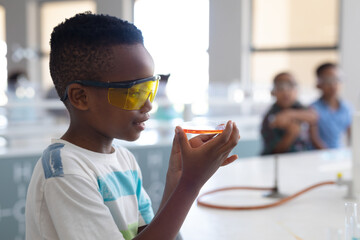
(352, 226)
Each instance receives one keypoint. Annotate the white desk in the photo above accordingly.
(307, 217)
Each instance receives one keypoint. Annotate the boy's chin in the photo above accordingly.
(132, 138)
(285, 105)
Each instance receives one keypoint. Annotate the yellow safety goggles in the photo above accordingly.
(130, 95)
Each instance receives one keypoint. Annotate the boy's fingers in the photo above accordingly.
(235, 135)
(231, 139)
(175, 145)
(200, 140)
(223, 137)
(229, 160)
(182, 139)
(205, 137)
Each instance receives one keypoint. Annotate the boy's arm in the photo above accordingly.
(348, 135)
(282, 119)
(303, 115)
(292, 132)
(197, 164)
(314, 137)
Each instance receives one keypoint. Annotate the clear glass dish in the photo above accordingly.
(203, 127)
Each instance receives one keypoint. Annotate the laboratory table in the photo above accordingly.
(315, 215)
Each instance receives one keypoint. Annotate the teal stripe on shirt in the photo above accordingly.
(118, 184)
(145, 207)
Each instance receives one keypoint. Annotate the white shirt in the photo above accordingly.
(75, 193)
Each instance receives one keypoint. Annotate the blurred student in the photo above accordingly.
(334, 114)
(286, 126)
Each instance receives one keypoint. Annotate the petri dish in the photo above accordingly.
(194, 127)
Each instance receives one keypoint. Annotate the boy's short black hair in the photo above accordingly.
(81, 47)
(277, 76)
(323, 67)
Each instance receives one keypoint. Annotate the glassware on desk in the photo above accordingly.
(203, 127)
(352, 225)
(334, 234)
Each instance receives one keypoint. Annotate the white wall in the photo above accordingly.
(350, 50)
(224, 39)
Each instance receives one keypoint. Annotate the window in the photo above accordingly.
(176, 33)
(295, 36)
(53, 13)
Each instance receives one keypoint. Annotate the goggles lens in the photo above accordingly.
(133, 98)
(329, 80)
(285, 86)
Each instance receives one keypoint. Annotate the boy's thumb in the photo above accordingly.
(181, 138)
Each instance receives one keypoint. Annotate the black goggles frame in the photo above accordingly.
(126, 84)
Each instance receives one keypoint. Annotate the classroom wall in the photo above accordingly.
(350, 51)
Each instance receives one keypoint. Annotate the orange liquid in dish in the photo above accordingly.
(202, 131)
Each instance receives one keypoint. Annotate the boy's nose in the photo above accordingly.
(146, 107)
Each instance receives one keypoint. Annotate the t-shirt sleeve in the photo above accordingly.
(78, 210)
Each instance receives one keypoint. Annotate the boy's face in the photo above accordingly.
(328, 82)
(131, 62)
(285, 90)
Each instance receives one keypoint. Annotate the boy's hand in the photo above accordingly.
(282, 119)
(294, 128)
(203, 155)
(175, 163)
(192, 163)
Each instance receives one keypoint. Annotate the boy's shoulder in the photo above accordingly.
(63, 158)
(317, 101)
(320, 104)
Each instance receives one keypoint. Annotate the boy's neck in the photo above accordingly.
(332, 101)
(84, 141)
(284, 107)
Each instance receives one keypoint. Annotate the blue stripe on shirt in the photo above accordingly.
(120, 184)
(117, 184)
(51, 161)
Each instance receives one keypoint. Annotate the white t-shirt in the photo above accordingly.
(75, 193)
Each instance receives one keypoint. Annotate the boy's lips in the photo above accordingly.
(141, 122)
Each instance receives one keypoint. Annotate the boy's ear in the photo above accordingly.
(77, 95)
(272, 93)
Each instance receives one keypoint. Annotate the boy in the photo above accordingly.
(286, 126)
(334, 114)
(83, 187)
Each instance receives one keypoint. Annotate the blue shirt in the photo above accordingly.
(332, 123)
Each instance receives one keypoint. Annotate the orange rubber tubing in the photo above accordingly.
(200, 202)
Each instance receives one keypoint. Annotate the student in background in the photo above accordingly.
(335, 115)
(286, 127)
